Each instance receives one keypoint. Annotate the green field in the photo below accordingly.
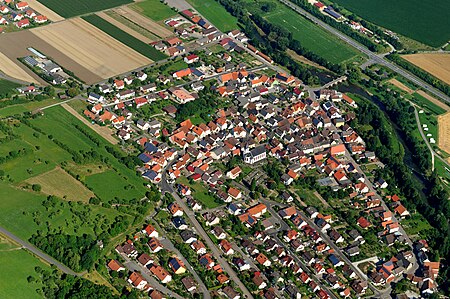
(216, 14)
(21, 108)
(200, 193)
(425, 103)
(7, 86)
(425, 21)
(73, 8)
(17, 265)
(311, 36)
(154, 9)
(127, 39)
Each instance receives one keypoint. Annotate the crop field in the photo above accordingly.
(424, 21)
(444, 132)
(42, 9)
(73, 8)
(59, 183)
(124, 27)
(216, 14)
(134, 15)
(88, 51)
(154, 9)
(310, 36)
(17, 265)
(436, 64)
(13, 69)
(120, 35)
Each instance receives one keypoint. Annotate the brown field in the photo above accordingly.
(143, 21)
(444, 132)
(15, 44)
(105, 132)
(14, 69)
(91, 48)
(400, 85)
(59, 183)
(304, 60)
(433, 100)
(434, 63)
(124, 27)
(44, 10)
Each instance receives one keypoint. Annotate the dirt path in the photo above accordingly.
(44, 10)
(124, 27)
(143, 21)
(105, 132)
(433, 100)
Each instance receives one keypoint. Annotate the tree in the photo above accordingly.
(36, 187)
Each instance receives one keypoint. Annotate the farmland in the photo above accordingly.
(437, 64)
(154, 9)
(310, 36)
(444, 131)
(110, 58)
(143, 22)
(424, 21)
(216, 14)
(73, 8)
(13, 69)
(120, 35)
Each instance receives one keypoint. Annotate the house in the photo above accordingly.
(401, 211)
(257, 210)
(189, 284)
(188, 236)
(22, 5)
(231, 293)
(241, 264)
(150, 231)
(115, 265)
(234, 173)
(198, 247)
(255, 155)
(259, 281)
(95, 98)
(161, 273)
(288, 212)
(155, 245)
(145, 260)
(137, 281)
(226, 247)
(40, 19)
(219, 233)
(222, 278)
(23, 23)
(175, 209)
(179, 223)
(263, 260)
(155, 294)
(363, 222)
(191, 58)
(235, 193)
(119, 84)
(177, 265)
(206, 261)
(127, 249)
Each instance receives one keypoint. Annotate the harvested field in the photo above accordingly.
(434, 63)
(400, 85)
(105, 132)
(14, 70)
(123, 27)
(444, 132)
(90, 48)
(44, 10)
(59, 183)
(15, 44)
(304, 60)
(433, 100)
(144, 22)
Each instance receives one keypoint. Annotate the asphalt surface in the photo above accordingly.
(372, 56)
(39, 253)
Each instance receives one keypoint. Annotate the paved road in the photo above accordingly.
(372, 56)
(216, 252)
(39, 253)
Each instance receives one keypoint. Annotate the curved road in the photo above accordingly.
(39, 253)
(372, 56)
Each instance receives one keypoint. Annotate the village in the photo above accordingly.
(233, 208)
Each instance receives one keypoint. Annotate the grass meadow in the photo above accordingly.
(216, 14)
(155, 10)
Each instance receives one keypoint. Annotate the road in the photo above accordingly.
(39, 253)
(372, 56)
(166, 187)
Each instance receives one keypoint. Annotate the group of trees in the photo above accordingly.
(427, 77)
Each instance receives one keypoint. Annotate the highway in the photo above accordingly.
(379, 59)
